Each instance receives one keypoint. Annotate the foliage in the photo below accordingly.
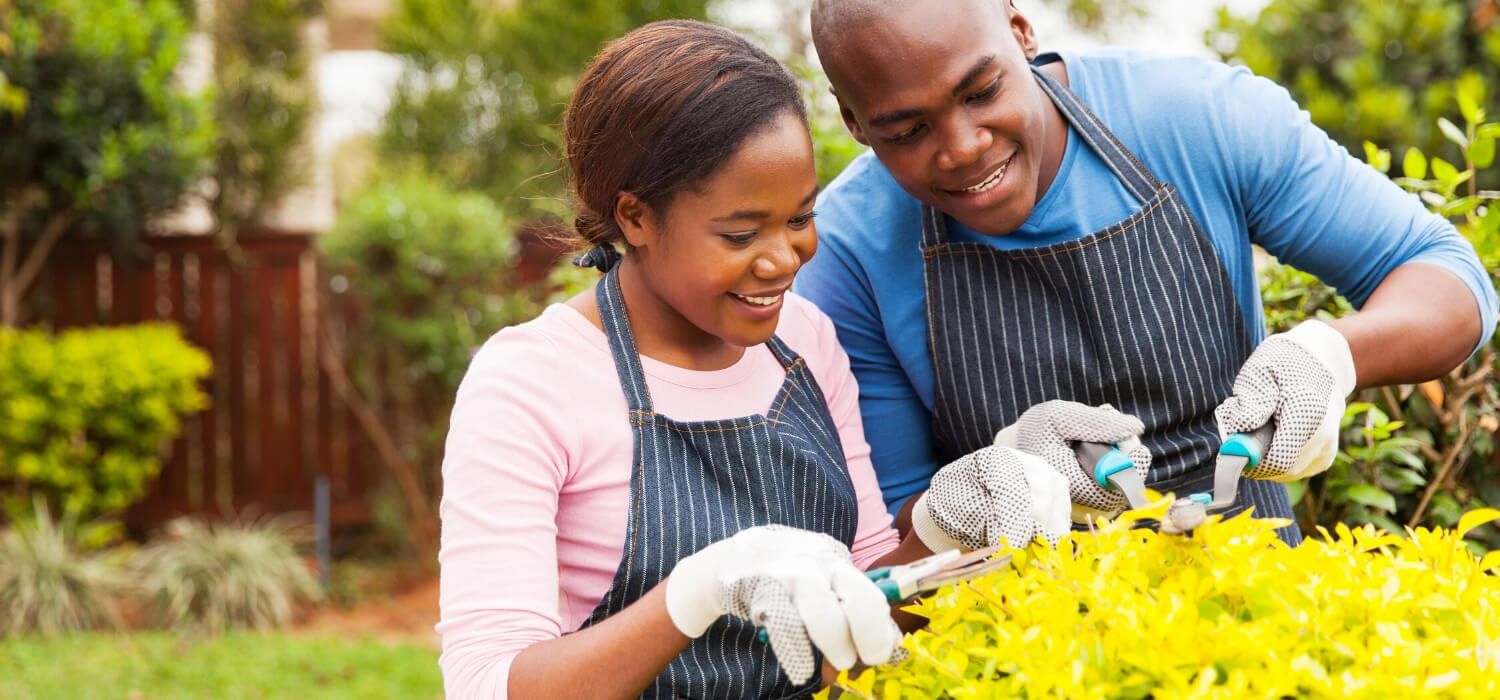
(481, 99)
(236, 666)
(431, 272)
(1226, 612)
(1421, 454)
(1371, 70)
(244, 573)
(263, 105)
(83, 414)
(105, 141)
(50, 582)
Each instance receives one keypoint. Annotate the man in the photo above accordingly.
(1029, 228)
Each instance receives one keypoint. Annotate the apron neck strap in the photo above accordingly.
(1098, 137)
(622, 345)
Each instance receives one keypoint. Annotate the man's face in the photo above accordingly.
(944, 95)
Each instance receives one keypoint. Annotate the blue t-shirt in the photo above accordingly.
(1248, 163)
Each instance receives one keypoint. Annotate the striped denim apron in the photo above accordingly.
(695, 483)
(1140, 315)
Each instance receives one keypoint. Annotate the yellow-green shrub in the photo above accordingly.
(84, 413)
(1228, 612)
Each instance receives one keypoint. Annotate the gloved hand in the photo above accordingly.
(989, 495)
(1049, 430)
(801, 586)
(1299, 378)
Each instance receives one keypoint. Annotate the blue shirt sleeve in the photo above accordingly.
(1312, 205)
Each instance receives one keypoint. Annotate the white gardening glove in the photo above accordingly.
(1051, 429)
(990, 495)
(1298, 380)
(801, 586)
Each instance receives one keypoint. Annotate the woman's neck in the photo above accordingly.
(661, 333)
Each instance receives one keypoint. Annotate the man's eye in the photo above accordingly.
(800, 222)
(738, 238)
(907, 136)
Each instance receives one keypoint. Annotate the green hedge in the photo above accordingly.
(83, 414)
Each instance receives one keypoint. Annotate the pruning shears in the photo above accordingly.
(1112, 468)
(905, 581)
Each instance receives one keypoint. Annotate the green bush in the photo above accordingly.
(1226, 612)
(49, 583)
(211, 577)
(84, 414)
(1371, 70)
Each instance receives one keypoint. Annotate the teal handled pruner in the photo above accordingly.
(928, 574)
(906, 581)
(1113, 468)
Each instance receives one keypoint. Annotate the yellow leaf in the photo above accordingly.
(1490, 561)
(1441, 681)
(1475, 518)
(1489, 422)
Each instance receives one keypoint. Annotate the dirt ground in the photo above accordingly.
(406, 616)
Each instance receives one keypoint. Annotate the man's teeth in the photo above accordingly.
(991, 180)
(759, 301)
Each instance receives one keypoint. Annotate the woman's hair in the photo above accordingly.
(662, 108)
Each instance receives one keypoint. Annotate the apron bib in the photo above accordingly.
(695, 483)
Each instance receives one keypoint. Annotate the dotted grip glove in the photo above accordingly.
(991, 495)
(1051, 429)
(801, 586)
(1298, 380)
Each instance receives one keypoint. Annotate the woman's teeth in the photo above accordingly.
(759, 301)
(991, 180)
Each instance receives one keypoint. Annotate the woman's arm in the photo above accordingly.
(616, 658)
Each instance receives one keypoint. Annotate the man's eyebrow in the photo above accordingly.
(761, 213)
(973, 74)
(900, 115)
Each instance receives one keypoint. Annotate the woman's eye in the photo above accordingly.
(738, 238)
(797, 223)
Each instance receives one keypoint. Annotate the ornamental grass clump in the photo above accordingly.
(209, 577)
(49, 583)
(1226, 612)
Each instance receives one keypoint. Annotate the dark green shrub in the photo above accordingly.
(84, 414)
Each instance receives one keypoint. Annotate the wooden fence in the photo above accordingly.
(275, 423)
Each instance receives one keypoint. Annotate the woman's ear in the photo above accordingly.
(635, 220)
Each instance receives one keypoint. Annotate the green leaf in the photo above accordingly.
(1459, 207)
(1482, 152)
(1414, 165)
(1444, 171)
(1378, 158)
(1468, 106)
(1365, 494)
(1453, 133)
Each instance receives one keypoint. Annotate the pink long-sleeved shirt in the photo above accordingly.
(537, 473)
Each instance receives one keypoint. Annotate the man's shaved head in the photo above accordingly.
(833, 19)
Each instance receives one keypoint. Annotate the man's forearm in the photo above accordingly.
(1421, 322)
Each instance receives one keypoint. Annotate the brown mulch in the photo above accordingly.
(407, 616)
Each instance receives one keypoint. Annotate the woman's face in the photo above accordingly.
(719, 258)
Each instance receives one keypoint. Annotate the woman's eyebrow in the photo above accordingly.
(761, 213)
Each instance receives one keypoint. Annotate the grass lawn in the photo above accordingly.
(153, 665)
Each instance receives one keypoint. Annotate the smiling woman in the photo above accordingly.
(687, 416)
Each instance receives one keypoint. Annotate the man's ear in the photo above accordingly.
(850, 122)
(635, 220)
(1025, 34)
